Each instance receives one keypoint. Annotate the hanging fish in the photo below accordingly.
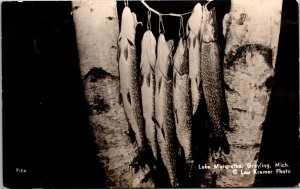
(212, 77)
(129, 79)
(148, 58)
(164, 116)
(182, 101)
(193, 32)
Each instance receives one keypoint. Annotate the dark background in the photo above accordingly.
(45, 119)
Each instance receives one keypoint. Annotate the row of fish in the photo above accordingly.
(161, 96)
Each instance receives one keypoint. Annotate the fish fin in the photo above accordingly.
(194, 42)
(130, 42)
(126, 53)
(159, 85)
(197, 82)
(129, 98)
(120, 99)
(155, 122)
(174, 79)
(142, 80)
(163, 132)
(148, 79)
(176, 116)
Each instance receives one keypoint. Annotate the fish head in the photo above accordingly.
(181, 57)
(209, 27)
(149, 49)
(128, 24)
(164, 56)
(195, 20)
(169, 63)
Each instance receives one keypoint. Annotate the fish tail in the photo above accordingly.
(184, 135)
(150, 132)
(139, 136)
(195, 92)
(169, 160)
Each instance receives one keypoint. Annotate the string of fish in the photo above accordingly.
(161, 100)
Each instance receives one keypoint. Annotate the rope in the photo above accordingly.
(181, 28)
(160, 23)
(126, 3)
(163, 14)
(149, 20)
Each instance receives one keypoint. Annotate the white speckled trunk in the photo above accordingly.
(97, 30)
(252, 32)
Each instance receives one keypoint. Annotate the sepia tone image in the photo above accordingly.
(150, 94)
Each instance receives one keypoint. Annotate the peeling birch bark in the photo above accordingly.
(97, 30)
(252, 33)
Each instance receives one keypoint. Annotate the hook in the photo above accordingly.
(126, 3)
(162, 24)
(207, 4)
(181, 28)
(149, 20)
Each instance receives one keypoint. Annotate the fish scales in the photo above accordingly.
(194, 31)
(182, 100)
(211, 73)
(129, 77)
(148, 58)
(166, 134)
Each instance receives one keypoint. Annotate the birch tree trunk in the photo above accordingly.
(97, 30)
(252, 33)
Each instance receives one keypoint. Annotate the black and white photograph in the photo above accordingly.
(150, 93)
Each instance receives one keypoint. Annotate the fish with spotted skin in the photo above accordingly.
(193, 33)
(212, 77)
(130, 82)
(182, 102)
(148, 58)
(164, 116)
